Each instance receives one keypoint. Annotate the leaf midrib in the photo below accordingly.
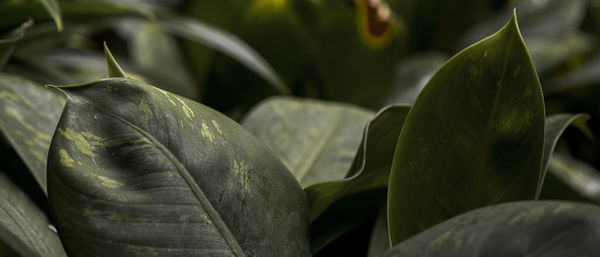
(206, 205)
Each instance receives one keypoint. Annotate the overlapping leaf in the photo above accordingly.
(474, 137)
(28, 118)
(159, 174)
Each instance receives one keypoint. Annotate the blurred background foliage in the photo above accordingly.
(231, 54)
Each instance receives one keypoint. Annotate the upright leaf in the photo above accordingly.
(540, 228)
(134, 170)
(28, 117)
(474, 137)
(316, 140)
(114, 70)
(23, 226)
(8, 42)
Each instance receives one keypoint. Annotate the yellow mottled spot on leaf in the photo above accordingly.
(517, 71)
(205, 218)
(241, 169)
(146, 109)
(38, 155)
(81, 143)
(216, 125)
(167, 95)
(186, 109)
(206, 132)
(184, 217)
(475, 73)
(109, 89)
(65, 159)
(528, 217)
(181, 123)
(108, 182)
(441, 239)
(563, 207)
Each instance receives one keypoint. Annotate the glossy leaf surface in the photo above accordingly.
(28, 118)
(135, 170)
(544, 228)
(23, 226)
(316, 140)
(474, 137)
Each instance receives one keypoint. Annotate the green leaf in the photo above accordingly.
(225, 43)
(24, 228)
(8, 42)
(574, 176)
(316, 140)
(474, 137)
(162, 175)
(53, 9)
(362, 193)
(28, 118)
(114, 70)
(554, 128)
(532, 228)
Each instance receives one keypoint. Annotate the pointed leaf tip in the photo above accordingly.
(114, 70)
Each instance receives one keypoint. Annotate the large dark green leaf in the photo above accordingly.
(546, 228)
(316, 140)
(28, 118)
(24, 228)
(362, 193)
(474, 137)
(555, 126)
(137, 170)
(8, 42)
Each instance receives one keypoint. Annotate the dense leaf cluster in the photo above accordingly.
(299, 128)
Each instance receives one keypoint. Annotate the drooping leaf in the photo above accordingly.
(316, 140)
(158, 174)
(554, 128)
(474, 137)
(114, 70)
(23, 226)
(28, 118)
(224, 42)
(53, 9)
(362, 192)
(530, 228)
(8, 42)
(574, 179)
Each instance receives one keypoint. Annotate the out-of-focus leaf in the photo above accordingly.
(28, 118)
(162, 175)
(532, 228)
(362, 193)
(156, 56)
(379, 242)
(474, 131)
(8, 42)
(412, 74)
(114, 70)
(550, 29)
(316, 140)
(555, 126)
(224, 42)
(72, 11)
(23, 226)
(53, 9)
(576, 175)
(585, 75)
